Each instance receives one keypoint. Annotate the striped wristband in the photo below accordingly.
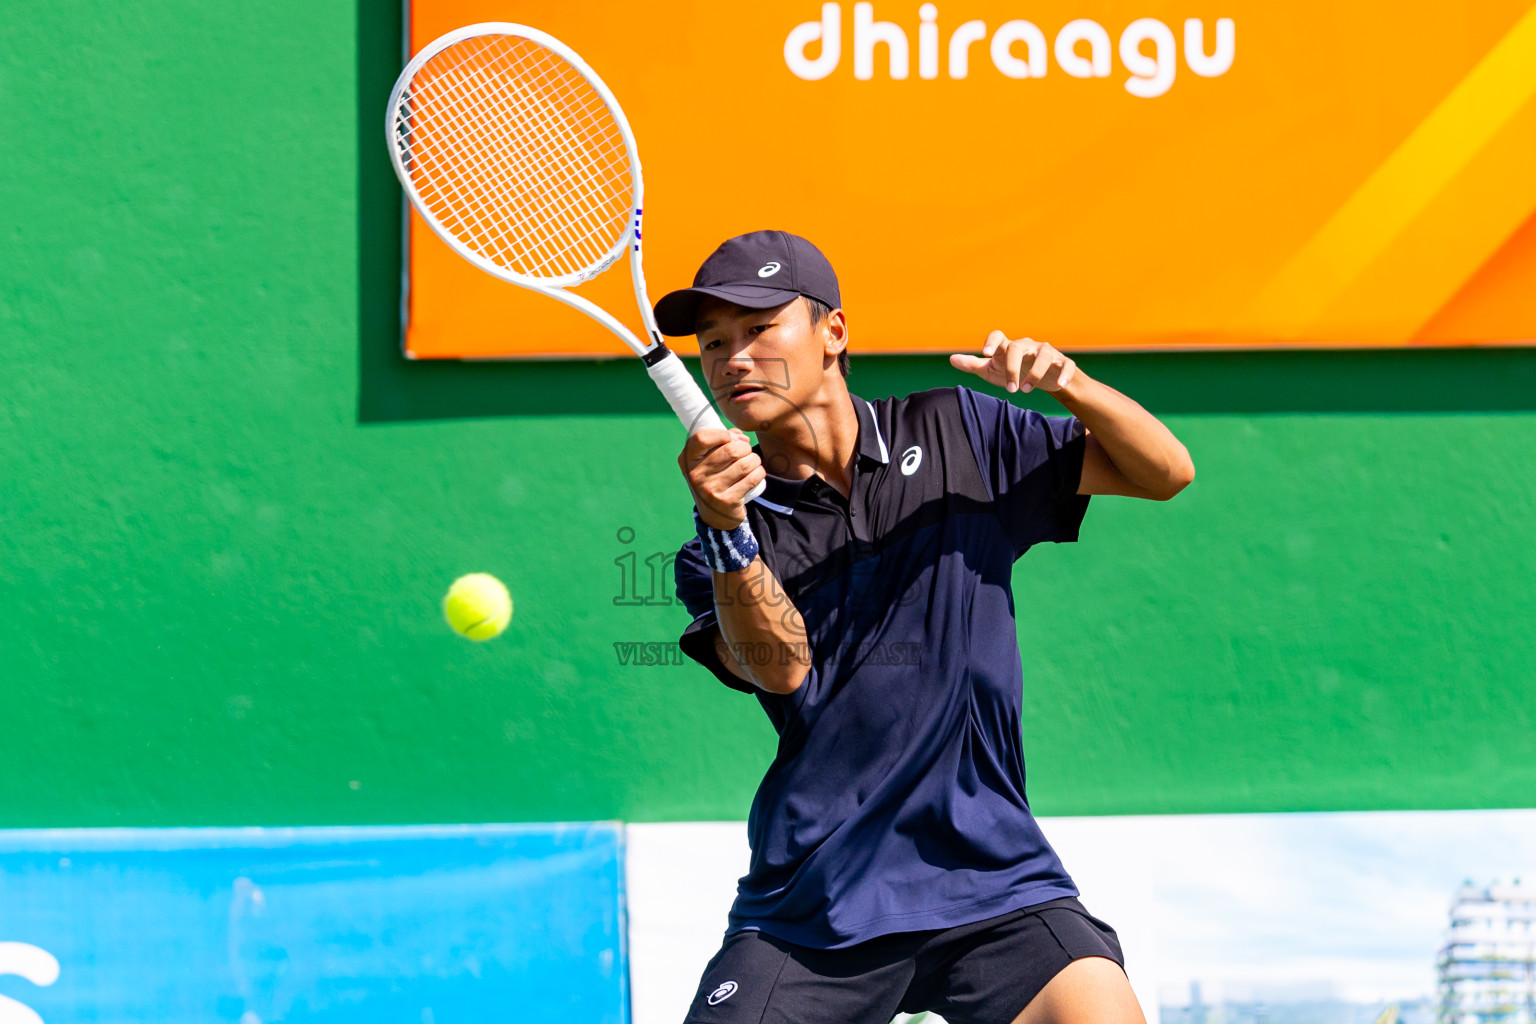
(726, 550)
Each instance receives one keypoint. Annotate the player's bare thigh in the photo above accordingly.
(1089, 990)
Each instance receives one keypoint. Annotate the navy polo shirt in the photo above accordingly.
(896, 800)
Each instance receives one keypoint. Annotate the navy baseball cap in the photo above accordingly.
(757, 270)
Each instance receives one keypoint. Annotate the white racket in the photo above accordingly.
(517, 155)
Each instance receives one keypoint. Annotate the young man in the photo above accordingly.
(865, 599)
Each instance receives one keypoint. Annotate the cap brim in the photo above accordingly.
(677, 311)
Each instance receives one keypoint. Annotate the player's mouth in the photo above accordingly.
(742, 391)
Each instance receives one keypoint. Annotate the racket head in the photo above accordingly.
(516, 154)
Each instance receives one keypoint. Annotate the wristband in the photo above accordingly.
(726, 550)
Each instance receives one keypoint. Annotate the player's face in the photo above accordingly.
(762, 363)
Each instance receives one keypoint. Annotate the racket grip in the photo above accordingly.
(688, 401)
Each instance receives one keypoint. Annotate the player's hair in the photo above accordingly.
(819, 311)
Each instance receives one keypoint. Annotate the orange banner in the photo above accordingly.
(1093, 174)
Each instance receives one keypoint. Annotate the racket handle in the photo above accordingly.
(685, 397)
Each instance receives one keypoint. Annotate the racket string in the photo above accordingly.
(568, 133)
(470, 185)
(572, 136)
(452, 84)
(452, 156)
(560, 192)
(516, 153)
(465, 198)
(493, 234)
(528, 168)
(594, 116)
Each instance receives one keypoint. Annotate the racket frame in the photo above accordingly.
(554, 287)
(688, 401)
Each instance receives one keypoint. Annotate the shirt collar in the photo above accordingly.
(780, 493)
(871, 442)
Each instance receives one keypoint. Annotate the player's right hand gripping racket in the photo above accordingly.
(517, 155)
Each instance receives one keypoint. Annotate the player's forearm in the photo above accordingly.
(1138, 443)
(763, 634)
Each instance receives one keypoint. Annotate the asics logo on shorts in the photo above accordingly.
(769, 269)
(722, 993)
(910, 460)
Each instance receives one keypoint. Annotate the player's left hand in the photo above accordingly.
(1018, 364)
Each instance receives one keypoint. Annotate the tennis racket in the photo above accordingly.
(517, 155)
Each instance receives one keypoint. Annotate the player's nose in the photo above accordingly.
(739, 361)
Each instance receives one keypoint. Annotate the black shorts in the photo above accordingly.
(981, 973)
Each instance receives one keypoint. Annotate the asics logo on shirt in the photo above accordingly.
(721, 994)
(910, 460)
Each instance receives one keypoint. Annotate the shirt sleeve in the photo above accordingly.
(1032, 464)
(695, 588)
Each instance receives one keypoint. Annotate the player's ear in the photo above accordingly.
(835, 332)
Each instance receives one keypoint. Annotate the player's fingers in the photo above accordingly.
(710, 462)
(1057, 374)
(707, 473)
(706, 464)
(720, 468)
(1017, 351)
(688, 461)
(732, 445)
(736, 494)
(969, 363)
(1068, 371)
(994, 339)
(736, 470)
(725, 492)
(701, 442)
(1045, 357)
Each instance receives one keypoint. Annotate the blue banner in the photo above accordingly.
(427, 925)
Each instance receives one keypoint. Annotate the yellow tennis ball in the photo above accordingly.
(478, 606)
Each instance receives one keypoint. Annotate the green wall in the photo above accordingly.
(230, 509)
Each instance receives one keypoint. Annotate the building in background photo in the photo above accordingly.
(1487, 967)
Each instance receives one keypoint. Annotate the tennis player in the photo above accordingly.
(865, 599)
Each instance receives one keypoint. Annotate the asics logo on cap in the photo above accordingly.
(910, 460)
(761, 266)
(721, 994)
